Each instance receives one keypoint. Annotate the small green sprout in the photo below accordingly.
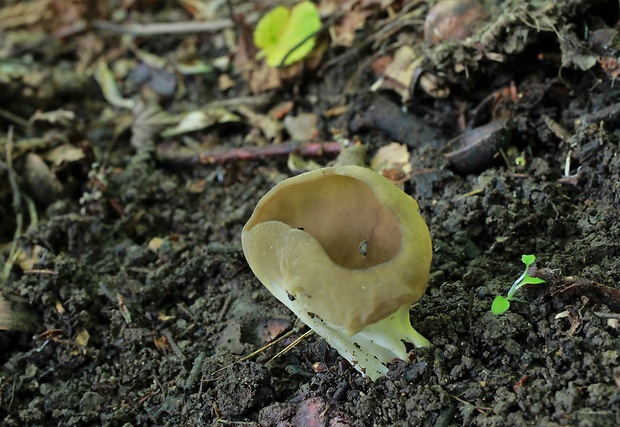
(501, 304)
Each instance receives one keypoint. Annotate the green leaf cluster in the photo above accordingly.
(281, 30)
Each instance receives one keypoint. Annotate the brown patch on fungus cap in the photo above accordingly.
(345, 241)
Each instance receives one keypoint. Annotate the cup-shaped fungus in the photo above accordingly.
(348, 252)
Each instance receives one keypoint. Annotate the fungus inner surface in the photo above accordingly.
(343, 214)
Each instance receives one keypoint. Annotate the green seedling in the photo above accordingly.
(280, 34)
(502, 304)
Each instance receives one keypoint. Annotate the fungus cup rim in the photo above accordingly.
(341, 296)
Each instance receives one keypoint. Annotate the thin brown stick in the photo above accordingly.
(171, 156)
(607, 114)
(163, 27)
(66, 32)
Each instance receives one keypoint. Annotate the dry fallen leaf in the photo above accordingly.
(198, 120)
(27, 260)
(270, 128)
(336, 111)
(302, 127)
(155, 243)
(392, 161)
(343, 33)
(161, 343)
(400, 72)
(63, 117)
(64, 153)
(40, 181)
(281, 109)
(225, 82)
(82, 337)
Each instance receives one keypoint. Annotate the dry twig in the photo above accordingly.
(171, 156)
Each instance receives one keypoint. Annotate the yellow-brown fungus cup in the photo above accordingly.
(348, 252)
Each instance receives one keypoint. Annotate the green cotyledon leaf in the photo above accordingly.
(500, 305)
(280, 30)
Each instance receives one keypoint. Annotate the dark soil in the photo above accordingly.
(132, 335)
